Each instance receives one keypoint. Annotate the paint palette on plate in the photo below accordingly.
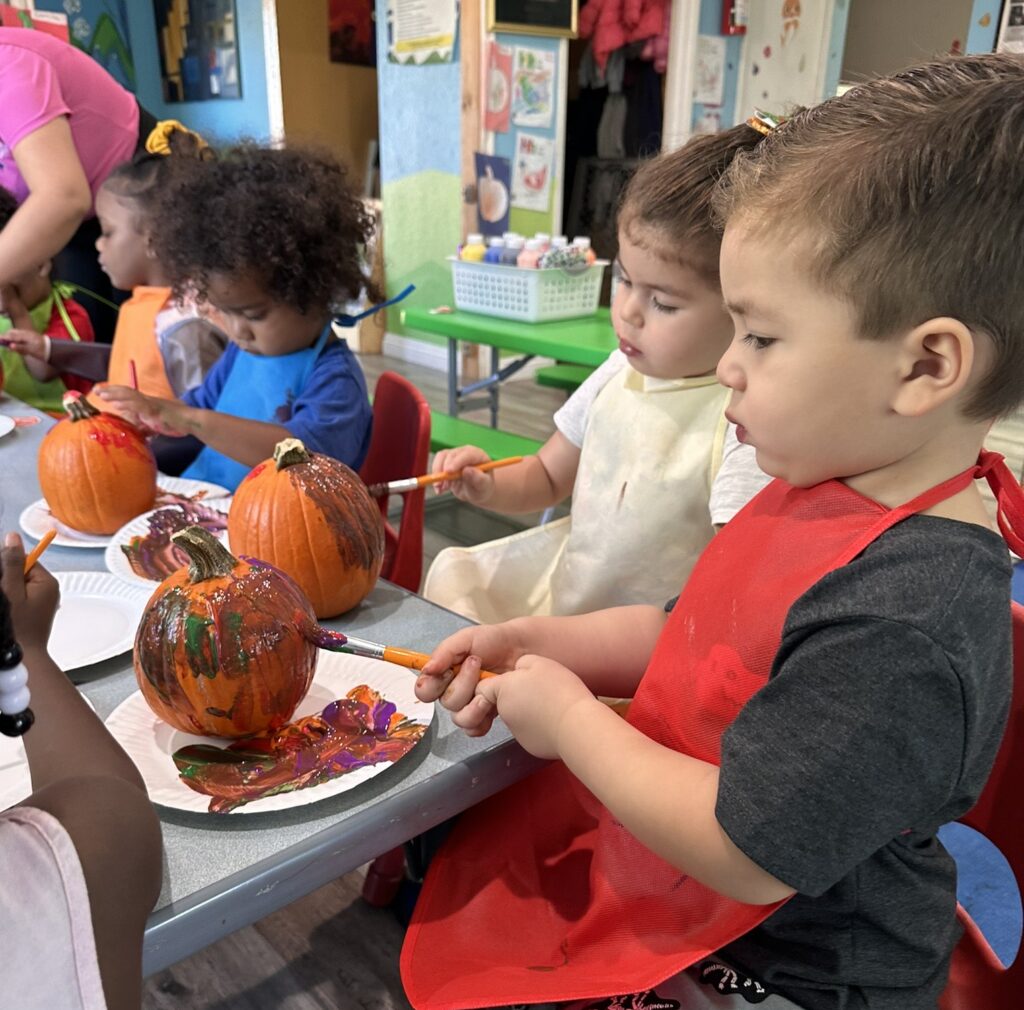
(141, 552)
(379, 722)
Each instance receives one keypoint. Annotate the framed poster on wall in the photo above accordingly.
(533, 17)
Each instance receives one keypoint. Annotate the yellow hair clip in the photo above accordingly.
(158, 141)
(764, 122)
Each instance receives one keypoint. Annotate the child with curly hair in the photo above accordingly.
(272, 239)
(33, 309)
(162, 345)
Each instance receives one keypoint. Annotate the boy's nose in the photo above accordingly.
(729, 373)
(629, 306)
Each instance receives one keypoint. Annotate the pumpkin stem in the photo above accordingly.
(290, 451)
(77, 406)
(208, 557)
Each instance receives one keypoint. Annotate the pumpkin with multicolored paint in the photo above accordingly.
(96, 470)
(226, 646)
(312, 517)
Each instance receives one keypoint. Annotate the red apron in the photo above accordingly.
(539, 895)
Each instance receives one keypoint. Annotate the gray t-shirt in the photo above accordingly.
(880, 722)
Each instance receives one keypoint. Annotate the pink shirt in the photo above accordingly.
(42, 78)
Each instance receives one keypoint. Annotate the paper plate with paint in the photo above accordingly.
(37, 519)
(359, 718)
(96, 620)
(15, 780)
(141, 552)
(187, 487)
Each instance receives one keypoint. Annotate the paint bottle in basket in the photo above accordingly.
(544, 239)
(513, 247)
(474, 249)
(495, 247)
(583, 242)
(529, 258)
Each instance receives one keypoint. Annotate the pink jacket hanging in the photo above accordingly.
(614, 23)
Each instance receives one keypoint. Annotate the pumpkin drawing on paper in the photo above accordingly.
(312, 517)
(226, 645)
(96, 469)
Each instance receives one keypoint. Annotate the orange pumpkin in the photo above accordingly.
(96, 470)
(225, 647)
(312, 517)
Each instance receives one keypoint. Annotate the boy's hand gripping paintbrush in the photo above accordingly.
(336, 641)
(413, 483)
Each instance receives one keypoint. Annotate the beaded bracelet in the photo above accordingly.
(16, 717)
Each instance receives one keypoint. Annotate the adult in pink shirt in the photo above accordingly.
(64, 124)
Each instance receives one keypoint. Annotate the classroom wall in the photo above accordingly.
(334, 104)
(220, 119)
(421, 188)
(882, 36)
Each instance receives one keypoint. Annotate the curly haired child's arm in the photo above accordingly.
(538, 482)
(249, 442)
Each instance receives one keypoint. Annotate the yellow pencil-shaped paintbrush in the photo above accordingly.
(336, 641)
(413, 483)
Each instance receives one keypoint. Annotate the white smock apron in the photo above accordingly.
(639, 519)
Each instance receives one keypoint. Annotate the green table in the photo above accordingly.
(585, 341)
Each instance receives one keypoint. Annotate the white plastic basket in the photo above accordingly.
(533, 296)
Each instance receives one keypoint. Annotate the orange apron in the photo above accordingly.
(539, 894)
(135, 341)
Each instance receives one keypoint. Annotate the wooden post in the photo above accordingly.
(470, 36)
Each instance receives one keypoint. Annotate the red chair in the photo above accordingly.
(399, 448)
(977, 979)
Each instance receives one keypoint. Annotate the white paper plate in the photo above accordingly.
(98, 617)
(15, 780)
(150, 742)
(116, 561)
(7, 425)
(188, 487)
(37, 518)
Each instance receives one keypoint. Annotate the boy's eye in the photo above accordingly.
(758, 343)
(662, 307)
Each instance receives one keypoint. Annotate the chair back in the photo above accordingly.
(399, 447)
(977, 979)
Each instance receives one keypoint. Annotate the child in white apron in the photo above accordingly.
(640, 443)
(285, 253)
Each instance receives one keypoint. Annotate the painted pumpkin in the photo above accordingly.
(225, 647)
(96, 469)
(312, 517)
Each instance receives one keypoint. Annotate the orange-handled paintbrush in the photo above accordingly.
(336, 641)
(413, 483)
(37, 552)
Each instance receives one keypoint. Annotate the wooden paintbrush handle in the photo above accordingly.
(494, 464)
(417, 660)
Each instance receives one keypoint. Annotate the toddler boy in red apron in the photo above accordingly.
(833, 682)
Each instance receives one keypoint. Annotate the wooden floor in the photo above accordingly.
(330, 950)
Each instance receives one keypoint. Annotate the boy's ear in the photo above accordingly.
(936, 364)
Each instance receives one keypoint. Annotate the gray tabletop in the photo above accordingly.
(222, 872)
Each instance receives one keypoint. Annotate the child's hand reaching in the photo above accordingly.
(25, 342)
(33, 597)
(473, 486)
(162, 417)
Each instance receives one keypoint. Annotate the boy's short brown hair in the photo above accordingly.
(905, 197)
(669, 199)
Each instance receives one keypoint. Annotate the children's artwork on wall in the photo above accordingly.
(493, 202)
(790, 20)
(710, 121)
(709, 78)
(351, 32)
(499, 88)
(198, 49)
(28, 17)
(533, 77)
(421, 31)
(531, 172)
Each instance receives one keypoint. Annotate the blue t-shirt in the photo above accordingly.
(331, 414)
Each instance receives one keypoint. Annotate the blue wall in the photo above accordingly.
(711, 24)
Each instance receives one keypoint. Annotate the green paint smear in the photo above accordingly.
(201, 646)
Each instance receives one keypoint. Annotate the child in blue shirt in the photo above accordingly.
(273, 243)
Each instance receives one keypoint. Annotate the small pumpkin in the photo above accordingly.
(96, 470)
(312, 517)
(226, 645)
